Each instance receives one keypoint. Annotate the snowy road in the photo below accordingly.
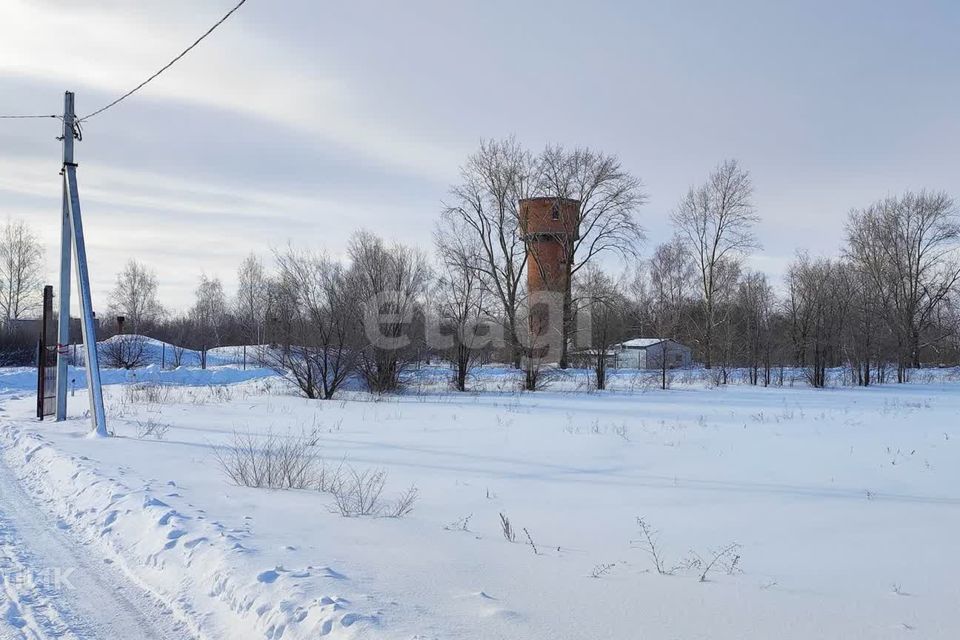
(53, 586)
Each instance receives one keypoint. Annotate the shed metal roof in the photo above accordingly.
(642, 343)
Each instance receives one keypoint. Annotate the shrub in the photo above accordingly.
(124, 351)
(151, 393)
(359, 493)
(270, 461)
(152, 429)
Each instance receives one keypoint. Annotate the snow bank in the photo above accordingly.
(210, 574)
(160, 353)
(25, 378)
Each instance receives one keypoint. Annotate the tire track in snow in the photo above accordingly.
(52, 586)
(28, 599)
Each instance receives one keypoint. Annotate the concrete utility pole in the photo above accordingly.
(71, 241)
(63, 317)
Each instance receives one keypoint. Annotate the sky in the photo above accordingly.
(304, 120)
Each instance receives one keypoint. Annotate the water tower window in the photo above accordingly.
(555, 212)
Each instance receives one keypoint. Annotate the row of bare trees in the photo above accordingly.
(209, 322)
(888, 302)
(328, 320)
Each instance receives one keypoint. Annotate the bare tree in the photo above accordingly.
(716, 221)
(949, 321)
(134, 297)
(21, 269)
(907, 247)
(755, 309)
(727, 277)
(460, 305)
(321, 322)
(208, 315)
(609, 197)
(250, 302)
(798, 312)
(867, 337)
(642, 304)
(819, 294)
(390, 280)
(671, 280)
(602, 298)
(481, 225)
(178, 331)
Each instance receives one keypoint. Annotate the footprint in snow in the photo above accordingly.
(351, 619)
(327, 572)
(190, 544)
(12, 616)
(173, 536)
(165, 518)
(268, 577)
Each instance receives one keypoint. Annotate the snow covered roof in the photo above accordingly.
(641, 343)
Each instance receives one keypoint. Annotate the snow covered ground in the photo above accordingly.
(843, 503)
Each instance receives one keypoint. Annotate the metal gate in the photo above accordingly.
(47, 359)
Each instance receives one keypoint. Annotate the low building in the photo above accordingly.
(650, 353)
(587, 358)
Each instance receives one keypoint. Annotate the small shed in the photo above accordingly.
(651, 353)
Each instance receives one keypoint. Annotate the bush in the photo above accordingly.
(152, 429)
(150, 393)
(270, 461)
(288, 462)
(124, 351)
(359, 493)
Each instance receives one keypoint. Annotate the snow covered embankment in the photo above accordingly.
(202, 569)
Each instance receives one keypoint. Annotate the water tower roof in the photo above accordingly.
(545, 217)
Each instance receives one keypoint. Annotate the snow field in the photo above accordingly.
(843, 503)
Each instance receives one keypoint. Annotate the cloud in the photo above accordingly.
(183, 227)
(109, 47)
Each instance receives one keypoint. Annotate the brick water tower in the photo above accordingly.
(550, 226)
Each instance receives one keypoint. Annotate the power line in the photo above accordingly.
(168, 65)
(25, 117)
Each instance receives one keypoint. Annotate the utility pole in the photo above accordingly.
(71, 240)
(63, 317)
